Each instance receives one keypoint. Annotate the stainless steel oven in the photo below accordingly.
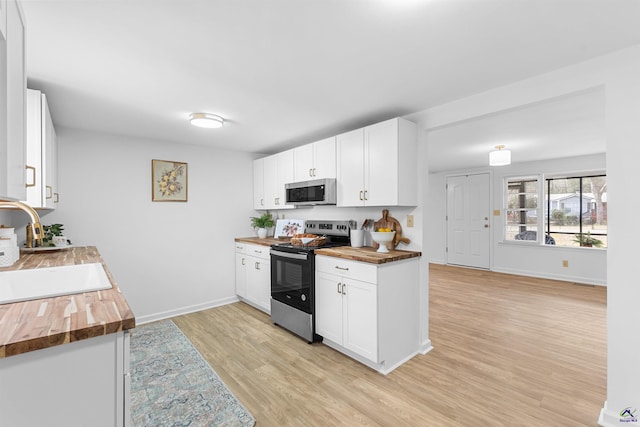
(293, 278)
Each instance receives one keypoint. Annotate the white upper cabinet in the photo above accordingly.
(42, 189)
(13, 86)
(316, 160)
(377, 165)
(270, 174)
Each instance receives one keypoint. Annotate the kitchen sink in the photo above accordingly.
(23, 285)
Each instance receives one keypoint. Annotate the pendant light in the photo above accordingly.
(500, 157)
(206, 120)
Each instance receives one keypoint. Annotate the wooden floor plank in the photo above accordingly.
(508, 350)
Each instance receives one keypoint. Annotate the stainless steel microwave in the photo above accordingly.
(315, 192)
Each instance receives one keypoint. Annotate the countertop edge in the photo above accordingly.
(23, 328)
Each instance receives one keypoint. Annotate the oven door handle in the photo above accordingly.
(288, 255)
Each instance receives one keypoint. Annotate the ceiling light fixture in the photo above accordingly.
(500, 157)
(206, 120)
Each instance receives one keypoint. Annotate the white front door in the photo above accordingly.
(468, 238)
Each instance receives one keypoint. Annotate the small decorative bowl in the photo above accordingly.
(382, 238)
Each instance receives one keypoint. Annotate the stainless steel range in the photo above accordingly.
(293, 277)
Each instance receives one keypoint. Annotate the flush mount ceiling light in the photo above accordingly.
(500, 157)
(206, 120)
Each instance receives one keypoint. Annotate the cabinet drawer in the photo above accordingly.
(240, 247)
(257, 251)
(346, 268)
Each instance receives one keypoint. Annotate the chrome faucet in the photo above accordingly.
(38, 233)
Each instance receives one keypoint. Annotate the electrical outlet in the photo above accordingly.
(565, 263)
(409, 220)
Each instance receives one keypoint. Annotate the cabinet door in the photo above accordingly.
(350, 173)
(303, 163)
(324, 158)
(381, 164)
(49, 158)
(12, 169)
(241, 274)
(284, 175)
(328, 312)
(35, 192)
(270, 177)
(258, 184)
(258, 285)
(360, 318)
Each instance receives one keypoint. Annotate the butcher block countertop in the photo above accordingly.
(267, 241)
(37, 324)
(367, 254)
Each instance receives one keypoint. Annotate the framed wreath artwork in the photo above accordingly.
(168, 181)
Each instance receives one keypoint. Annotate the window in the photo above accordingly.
(522, 209)
(576, 210)
(573, 209)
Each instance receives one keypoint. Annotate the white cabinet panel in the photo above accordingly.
(270, 174)
(13, 86)
(360, 318)
(316, 160)
(253, 275)
(78, 384)
(369, 159)
(42, 179)
(329, 306)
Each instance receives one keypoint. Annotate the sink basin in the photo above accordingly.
(23, 285)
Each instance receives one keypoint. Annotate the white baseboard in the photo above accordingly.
(184, 310)
(425, 347)
(564, 278)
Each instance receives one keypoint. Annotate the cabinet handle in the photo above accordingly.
(361, 193)
(310, 171)
(56, 197)
(365, 195)
(344, 289)
(276, 200)
(257, 266)
(339, 288)
(33, 175)
(257, 251)
(342, 268)
(314, 171)
(261, 202)
(49, 192)
(243, 261)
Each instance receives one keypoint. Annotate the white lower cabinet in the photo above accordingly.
(346, 313)
(369, 311)
(83, 383)
(253, 275)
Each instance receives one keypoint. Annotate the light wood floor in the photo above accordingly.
(508, 351)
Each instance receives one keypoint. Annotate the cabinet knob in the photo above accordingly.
(486, 226)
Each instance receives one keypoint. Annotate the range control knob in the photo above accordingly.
(303, 297)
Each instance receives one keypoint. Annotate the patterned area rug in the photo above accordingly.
(172, 384)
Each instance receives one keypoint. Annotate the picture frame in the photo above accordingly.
(286, 228)
(169, 181)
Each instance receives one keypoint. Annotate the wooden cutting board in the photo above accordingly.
(387, 221)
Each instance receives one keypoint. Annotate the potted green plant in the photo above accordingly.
(262, 222)
(587, 240)
(52, 231)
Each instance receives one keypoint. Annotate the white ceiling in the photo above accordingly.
(287, 72)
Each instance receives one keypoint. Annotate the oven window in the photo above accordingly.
(291, 282)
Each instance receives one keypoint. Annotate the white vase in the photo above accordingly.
(262, 233)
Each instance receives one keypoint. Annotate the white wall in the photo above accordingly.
(585, 265)
(167, 258)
